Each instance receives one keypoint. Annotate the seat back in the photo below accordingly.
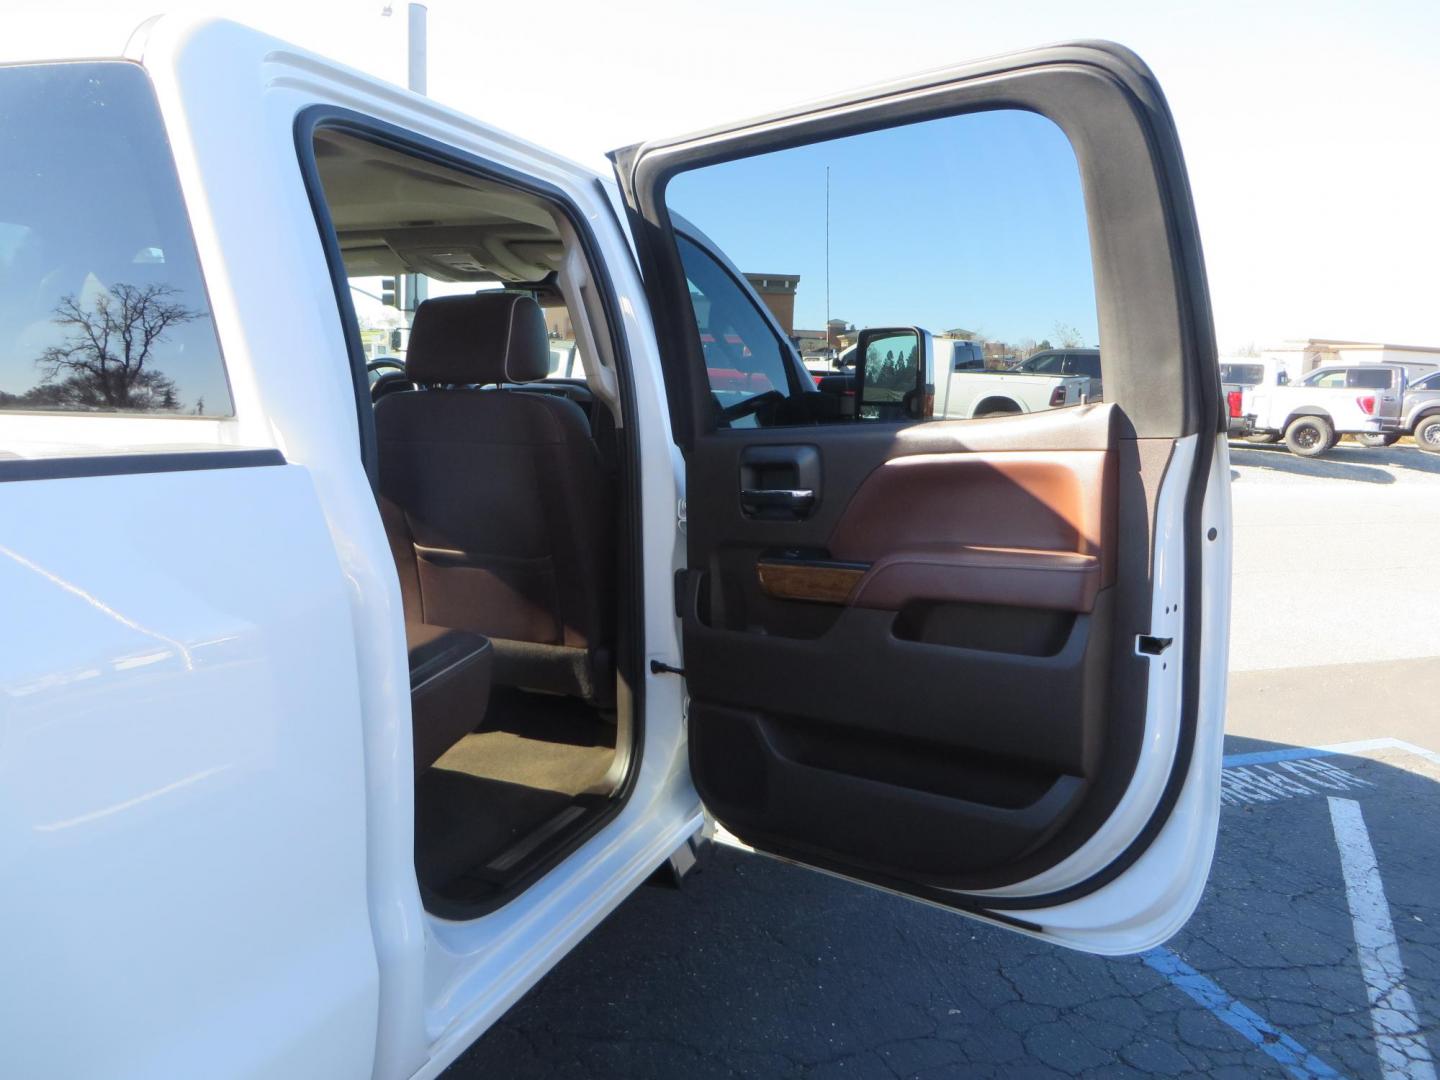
(495, 501)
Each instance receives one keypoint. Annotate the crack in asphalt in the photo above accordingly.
(759, 969)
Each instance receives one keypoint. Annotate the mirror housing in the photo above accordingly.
(894, 374)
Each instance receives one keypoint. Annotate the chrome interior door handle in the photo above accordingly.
(777, 502)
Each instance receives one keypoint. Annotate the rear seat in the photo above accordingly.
(496, 502)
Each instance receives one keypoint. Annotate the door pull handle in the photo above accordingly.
(779, 502)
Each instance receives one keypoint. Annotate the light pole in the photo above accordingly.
(415, 67)
(412, 291)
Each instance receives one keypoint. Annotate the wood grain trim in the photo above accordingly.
(1052, 580)
(816, 582)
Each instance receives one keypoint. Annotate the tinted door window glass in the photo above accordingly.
(1377, 379)
(1242, 374)
(1045, 364)
(743, 357)
(968, 356)
(102, 306)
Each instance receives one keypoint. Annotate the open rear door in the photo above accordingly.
(978, 661)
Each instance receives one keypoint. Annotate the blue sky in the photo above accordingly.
(973, 221)
(1306, 124)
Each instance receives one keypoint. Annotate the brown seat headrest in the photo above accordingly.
(485, 338)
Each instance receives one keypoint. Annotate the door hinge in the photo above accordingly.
(682, 516)
(682, 862)
(1149, 645)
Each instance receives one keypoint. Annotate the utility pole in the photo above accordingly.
(413, 289)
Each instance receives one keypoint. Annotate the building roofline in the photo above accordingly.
(1311, 343)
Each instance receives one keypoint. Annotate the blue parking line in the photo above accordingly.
(1296, 1060)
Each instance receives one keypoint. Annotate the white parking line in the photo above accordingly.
(1284, 780)
(1269, 775)
(1404, 1053)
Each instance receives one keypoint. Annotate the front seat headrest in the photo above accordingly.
(481, 339)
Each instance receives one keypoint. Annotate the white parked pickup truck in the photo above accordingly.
(964, 388)
(1312, 413)
(334, 711)
(1004, 393)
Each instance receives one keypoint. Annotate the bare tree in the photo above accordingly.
(102, 364)
(1067, 336)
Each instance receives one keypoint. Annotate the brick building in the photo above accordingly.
(778, 292)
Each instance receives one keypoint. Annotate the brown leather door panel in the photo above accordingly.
(1028, 528)
(1045, 500)
(939, 634)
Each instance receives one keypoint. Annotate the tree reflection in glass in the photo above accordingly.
(106, 361)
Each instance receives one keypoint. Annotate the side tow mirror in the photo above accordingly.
(894, 374)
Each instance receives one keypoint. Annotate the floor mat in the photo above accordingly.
(530, 763)
(535, 759)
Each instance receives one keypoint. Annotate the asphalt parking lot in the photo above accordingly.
(1315, 952)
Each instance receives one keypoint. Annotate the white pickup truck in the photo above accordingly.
(964, 388)
(1312, 413)
(332, 714)
(1004, 393)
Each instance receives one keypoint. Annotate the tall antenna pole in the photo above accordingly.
(827, 255)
